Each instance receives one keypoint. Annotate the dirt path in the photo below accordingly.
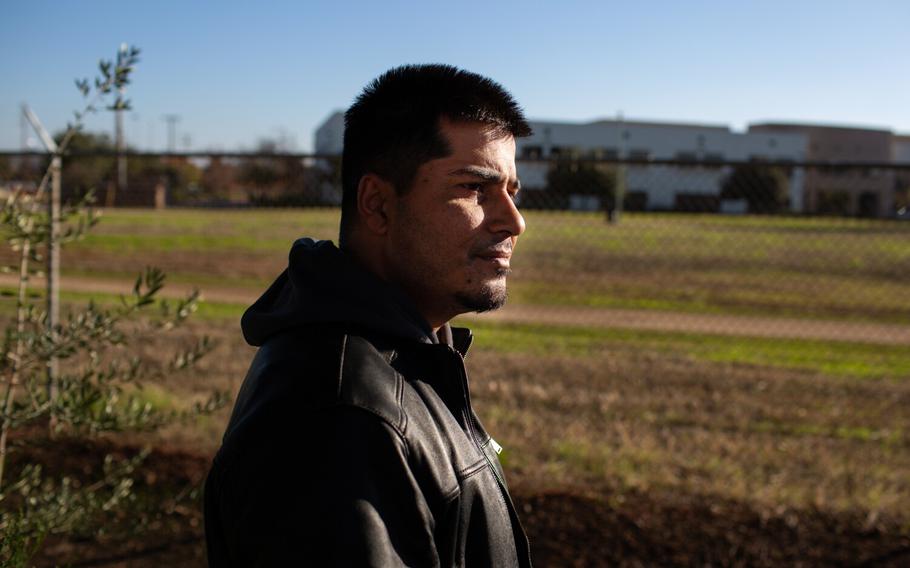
(754, 326)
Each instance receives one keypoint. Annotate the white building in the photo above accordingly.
(900, 154)
(658, 186)
(329, 137)
(900, 149)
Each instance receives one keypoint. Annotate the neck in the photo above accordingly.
(369, 255)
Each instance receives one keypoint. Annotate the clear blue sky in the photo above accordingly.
(240, 71)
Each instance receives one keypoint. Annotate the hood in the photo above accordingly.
(324, 285)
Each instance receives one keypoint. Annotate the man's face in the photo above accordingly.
(451, 235)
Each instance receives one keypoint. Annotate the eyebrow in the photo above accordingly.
(486, 174)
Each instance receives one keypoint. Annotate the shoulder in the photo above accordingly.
(367, 380)
(319, 368)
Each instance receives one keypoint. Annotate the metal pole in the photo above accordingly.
(21, 162)
(53, 247)
(172, 120)
(53, 272)
(120, 140)
(619, 191)
(23, 130)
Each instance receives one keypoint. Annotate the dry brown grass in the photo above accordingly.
(657, 423)
(646, 422)
(617, 457)
(633, 423)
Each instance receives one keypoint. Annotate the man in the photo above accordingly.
(353, 441)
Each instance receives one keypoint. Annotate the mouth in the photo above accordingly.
(499, 259)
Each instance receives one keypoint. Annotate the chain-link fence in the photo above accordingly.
(871, 190)
(748, 248)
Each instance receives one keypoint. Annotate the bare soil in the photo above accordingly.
(566, 527)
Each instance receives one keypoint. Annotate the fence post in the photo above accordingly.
(619, 193)
(120, 144)
(53, 271)
(619, 186)
(53, 248)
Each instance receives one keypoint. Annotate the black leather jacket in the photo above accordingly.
(353, 441)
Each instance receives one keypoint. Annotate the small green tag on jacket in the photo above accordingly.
(496, 447)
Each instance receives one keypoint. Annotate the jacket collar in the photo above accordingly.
(462, 338)
(458, 338)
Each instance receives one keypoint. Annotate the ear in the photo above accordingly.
(375, 197)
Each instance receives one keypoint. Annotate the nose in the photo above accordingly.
(505, 216)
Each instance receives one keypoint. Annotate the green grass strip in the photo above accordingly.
(832, 358)
(206, 311)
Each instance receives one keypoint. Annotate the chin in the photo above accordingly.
(490, 297)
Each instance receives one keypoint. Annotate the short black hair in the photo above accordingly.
(393, 126)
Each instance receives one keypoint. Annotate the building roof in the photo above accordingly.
(636, 123)
(803, 126)
(686, 125)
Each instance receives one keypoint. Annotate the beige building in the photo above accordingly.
(860, 191)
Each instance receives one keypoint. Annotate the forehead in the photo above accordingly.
(474, 143)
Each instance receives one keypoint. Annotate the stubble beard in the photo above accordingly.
(491, 296)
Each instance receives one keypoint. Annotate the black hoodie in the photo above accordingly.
(323, 285)
(352, 441)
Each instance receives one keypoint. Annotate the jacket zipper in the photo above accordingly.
(472, 433)
(469, 419)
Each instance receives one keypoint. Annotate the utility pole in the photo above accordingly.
(171, 120)
(149, 135)
(53, 253)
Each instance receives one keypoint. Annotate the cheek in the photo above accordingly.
(463, 218)
(443, 234)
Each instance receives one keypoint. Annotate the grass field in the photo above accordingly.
(819, 268)
(813, 436)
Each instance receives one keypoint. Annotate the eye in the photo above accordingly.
(472, 186)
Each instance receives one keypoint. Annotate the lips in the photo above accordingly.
(496, 257)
